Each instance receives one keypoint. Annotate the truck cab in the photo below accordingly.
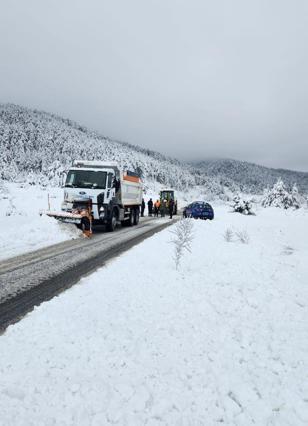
(168, 194)
(111, 196)
(90, 182)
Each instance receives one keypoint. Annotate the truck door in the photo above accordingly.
(110, 189)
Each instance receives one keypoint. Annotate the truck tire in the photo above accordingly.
(112, 223)
(136, 216)
(85, 224)
(131, 220)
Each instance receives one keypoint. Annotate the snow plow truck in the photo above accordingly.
(98, 193)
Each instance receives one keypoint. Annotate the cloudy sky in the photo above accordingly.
(193, 79)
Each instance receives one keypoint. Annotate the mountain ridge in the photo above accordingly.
(251, 177)
(45, 144)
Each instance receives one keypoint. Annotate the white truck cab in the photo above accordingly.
(113, 196)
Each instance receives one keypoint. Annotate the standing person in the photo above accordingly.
(171, 207)
(163, 208)
(150, 206)
(156, 208)
(142, 207)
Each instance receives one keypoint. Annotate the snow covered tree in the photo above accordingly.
(296, 199)
(242, 206)
(280, 197)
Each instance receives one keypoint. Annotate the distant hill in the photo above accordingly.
(43, 145)
(249, 177)
(38, 142)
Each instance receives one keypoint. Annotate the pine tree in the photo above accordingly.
(280, 197)
(242, 206)
(295, 197)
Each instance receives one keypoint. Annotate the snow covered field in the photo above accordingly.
(22, 228)
(222, 341)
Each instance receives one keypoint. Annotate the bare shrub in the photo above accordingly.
(228, 235)
(243, 236)
(183, 237)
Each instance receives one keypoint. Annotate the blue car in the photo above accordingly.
(199, 210)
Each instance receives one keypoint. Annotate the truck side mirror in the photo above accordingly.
(63, 179)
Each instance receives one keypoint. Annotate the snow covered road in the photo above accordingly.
(224, 340)
(27, 280)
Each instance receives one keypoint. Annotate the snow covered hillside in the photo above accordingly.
(224, 340)
(37, 143)
(39, 146)
(248, 177)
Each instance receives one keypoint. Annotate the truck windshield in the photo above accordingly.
(167, 195)
(86, 179)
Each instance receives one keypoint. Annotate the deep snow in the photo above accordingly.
(222, 341)
(22, 228)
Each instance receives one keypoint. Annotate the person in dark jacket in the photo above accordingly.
(163, 208)
(142, 207)
(171, 207)
(150, 206)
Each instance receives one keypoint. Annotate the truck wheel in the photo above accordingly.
(136, 216)
(112, 223)
(85, 224)
(131, 220)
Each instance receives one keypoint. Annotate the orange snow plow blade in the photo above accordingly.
(65, 217)
(74, 218)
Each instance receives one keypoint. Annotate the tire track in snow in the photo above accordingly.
(28, 280)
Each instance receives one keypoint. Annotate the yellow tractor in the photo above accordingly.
(168, 194)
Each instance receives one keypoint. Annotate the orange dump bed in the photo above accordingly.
(132, 178)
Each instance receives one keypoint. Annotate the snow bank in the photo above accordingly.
(224, 340)
(22, 228)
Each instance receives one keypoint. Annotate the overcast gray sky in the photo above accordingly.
(193, 79)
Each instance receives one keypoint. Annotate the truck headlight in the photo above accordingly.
(101, 212)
